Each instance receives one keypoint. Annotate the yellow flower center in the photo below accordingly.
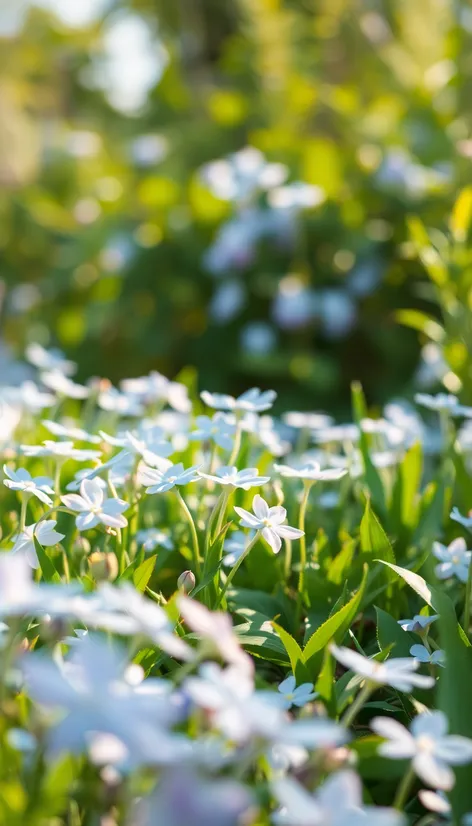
(426, 743)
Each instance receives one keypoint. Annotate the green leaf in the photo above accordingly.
(371, 474)
(389, 631)
(432, 509)
(335, 628)
(454, 697)
(415, 581)
(375, 544)
(258, 636)
(427, 254)
(417, 320)
(143, 574)
(294, 652)
(325, 685)
(405, 500)
(48, 569)
(339, 567)
(461, 215)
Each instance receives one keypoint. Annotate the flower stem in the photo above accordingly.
(468, 595)
(24, 506)
(237, 442)
(288, 559)
(235, 569)
(301, 525)
(193, 531)
(358, 704)
(403, 789)
(57, 479)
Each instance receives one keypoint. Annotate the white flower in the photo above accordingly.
(421, 653)
(454, 559)
(148, 618)
(160, 481)
(337, 803)
(269, 522)
(427, 744)
(94, 509)
(242, 175)
(293, 695)
(29, 396)
(337, 433)
(307, 421)
(235, 545)
(418, 624)
(216, 629)
(60, 450)
(152, 538)
(45, 534)
(397, 673)
(295, 196)
(90, 688)
(52, 359)
(466, 521)
(156, 387)
(265, 429)
(252, 401)
(220, 429)
(442, 401)
(245, 479)
(63, 386)
(122, 403)
(311, 471)
(435, 801)
(147, 442)
(76, 434)
(20, 595)
(21, 480)
(185, 798)
(229, 695)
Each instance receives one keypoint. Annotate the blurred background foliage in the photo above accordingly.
(115, 245)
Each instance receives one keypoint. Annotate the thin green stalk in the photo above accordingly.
(237, 442)
(235, 569)
(57, 479)
(355, 707)
(288, 559)
(404, 789)
(468, 596)
(24, 506)
(193, 531)
(301, 524)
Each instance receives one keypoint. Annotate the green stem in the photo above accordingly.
(235, 569)
(468, 595)
(301, 525)
(24, 506)
(288, 559)
(358, 704)
(237, 442)
(57, 479)
(193, 531)
(403, 789)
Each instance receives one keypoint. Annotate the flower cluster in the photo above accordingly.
(190, 617)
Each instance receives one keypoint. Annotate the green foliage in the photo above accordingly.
(103, 248)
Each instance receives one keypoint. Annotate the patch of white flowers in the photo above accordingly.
(203, 679)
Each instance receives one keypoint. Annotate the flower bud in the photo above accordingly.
(103, 566)
(186, 582)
